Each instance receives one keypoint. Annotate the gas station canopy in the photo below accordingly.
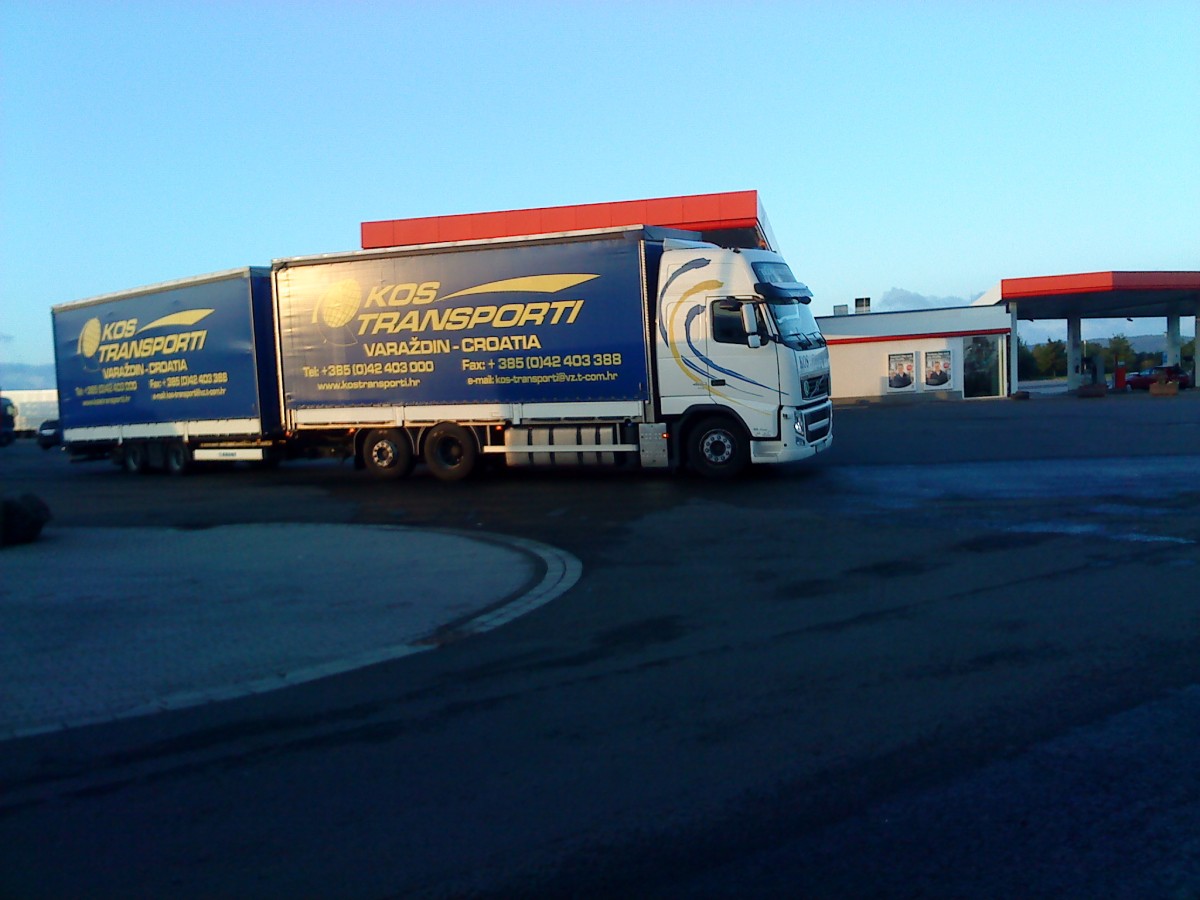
(1100, 295)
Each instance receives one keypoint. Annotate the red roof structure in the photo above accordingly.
(1104, 295)
(736, 217)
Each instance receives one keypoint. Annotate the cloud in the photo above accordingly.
(25, 377)
(898, 299)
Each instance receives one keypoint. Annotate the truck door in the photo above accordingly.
(682, 340)
(740, 376)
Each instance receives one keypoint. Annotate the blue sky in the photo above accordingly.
(930, 148)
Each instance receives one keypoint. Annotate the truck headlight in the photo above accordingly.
(799, 426)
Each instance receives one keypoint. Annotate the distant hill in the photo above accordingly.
(1144, 343)
(1100, 330)
(25, 377)
(1141, 343)
(1149, 343)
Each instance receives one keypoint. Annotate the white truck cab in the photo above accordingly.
(736, 342)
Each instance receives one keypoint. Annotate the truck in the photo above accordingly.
(633, 345)
(8, 420)
(30, 407)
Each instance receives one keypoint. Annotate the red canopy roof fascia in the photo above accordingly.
(696, 212)
(1097, 283)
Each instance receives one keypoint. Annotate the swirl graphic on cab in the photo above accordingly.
(336, 310)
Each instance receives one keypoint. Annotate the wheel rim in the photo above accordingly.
(177, 458)
(449, 452)
(717, 447)
(383, 454)
(387, 454)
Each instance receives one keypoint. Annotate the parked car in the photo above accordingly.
(1141, 381)
(49, 434)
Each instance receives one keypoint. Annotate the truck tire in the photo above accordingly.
(135, 458)
(387, 453)
(450, 452)
(179, 458)
(718, 448)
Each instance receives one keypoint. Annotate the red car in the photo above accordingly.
(1141, 381)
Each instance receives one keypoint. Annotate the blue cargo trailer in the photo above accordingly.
(162, 375)
(502, 323)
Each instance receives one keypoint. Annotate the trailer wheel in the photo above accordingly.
(718, 448)
(135, 458)
(450, 452)
(387, 453)
(179, 458)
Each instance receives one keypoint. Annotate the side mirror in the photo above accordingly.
(750, 325)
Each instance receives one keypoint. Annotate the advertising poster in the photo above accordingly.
(900, 371)
(939, 371)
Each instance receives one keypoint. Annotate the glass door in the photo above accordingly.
(981, 366)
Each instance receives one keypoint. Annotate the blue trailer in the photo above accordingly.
(167, 374)
(497, 323)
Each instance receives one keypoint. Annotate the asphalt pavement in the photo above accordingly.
(107, 624)
(956, 656)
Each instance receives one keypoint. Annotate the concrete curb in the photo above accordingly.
(562, 572)
(559, 572)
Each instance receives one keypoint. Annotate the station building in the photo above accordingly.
(948, 353)
(971, 351)
(964, 352)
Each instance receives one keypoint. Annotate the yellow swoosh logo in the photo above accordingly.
(187, 317)
(537, 284)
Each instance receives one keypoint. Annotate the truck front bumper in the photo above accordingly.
(803, 432)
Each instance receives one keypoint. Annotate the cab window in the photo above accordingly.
(727, 325)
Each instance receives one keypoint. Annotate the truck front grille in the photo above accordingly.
(817, 422)
(815, 387)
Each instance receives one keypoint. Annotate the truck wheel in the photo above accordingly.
(179, 458)
(718, 448)
(135, 459)
(387, 453)
(450, 452)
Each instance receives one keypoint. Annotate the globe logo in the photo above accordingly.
(336, 310)
(89, 338)
(339, 304)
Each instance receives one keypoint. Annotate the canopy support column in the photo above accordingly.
(1014, 376)
(1195, 355)
(1074, 353)
(1174, 343)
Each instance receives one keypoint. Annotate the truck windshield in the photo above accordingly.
(797, 326)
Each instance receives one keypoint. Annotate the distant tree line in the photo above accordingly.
(1049, 360)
